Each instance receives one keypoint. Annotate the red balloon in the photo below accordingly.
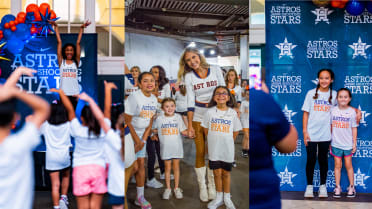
(33, 30)
(21, 15)
(37, 16)
(52, 14)
(11, 23)
(32, 8)
(21, 20)
(16, 21)
(1, 32)
(43, 7)
(6, 25)
(336, 3)
(13, 28)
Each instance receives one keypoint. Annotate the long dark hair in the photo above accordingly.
(116, 111)
(231, 103)
(347, 90)
(162, 76)
(90, 121)
(64, 56)
(58, 114)
(330, 86)
(7, 111)
(121, 125)
(183, 89)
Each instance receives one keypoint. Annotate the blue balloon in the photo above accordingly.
(8, 34)
(15, 46)
(369, 6)
(22, 32)
(7, 18)
(355, 7)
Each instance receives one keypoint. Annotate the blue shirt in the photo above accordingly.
(268, 126)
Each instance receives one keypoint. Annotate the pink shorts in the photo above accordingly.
(88, 179)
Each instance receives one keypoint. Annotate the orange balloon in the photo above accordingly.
(52, 14)
(21, 20)
(21, 15)
(13, 28)
(32, 8)
(6, 25)
(33, 30)
(37, 16)
(11, 23)
(43, 7)
(16, 21)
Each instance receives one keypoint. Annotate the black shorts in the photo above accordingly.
(182, 113)
(220, 164)
(60, 170)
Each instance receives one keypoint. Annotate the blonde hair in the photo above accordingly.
(236, 81)
(184, 68)
(132, 68)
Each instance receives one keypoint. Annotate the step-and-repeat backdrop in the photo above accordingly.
(301, 39)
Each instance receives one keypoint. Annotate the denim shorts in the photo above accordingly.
(336, 152)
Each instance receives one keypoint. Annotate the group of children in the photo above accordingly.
(329, 124)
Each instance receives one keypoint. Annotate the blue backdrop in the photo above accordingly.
(41, 54)
(300, 40)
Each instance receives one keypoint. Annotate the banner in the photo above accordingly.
(301, 39)
(41, 54)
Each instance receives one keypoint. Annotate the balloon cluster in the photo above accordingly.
(17, 31)
(353, 7)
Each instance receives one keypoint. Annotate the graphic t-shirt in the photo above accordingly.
(69, 78)
(319, 126)
(342, 123)
(129, 87)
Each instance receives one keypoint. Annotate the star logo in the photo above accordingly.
(364, 115)
(286, 177)
(359, 179)
(285, 48)
(289, 114)
(321, 14)
(359, 48)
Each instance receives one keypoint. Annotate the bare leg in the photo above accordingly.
(338, 167)
(82, 202)
(168, 167)
(65, 181)
(140, 175)
(245, 144)
(226, 181)
(95, 201)
(128, 174)
(349, 169)
(218, 179)
(176, 172)
(54, 177)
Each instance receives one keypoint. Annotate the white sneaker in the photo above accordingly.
(62, 204)
(178, 193)
(323, 191)
(228, 203)
(154, 183)
(162, 177)
(309, 191)
(167, 193)
(214, 204)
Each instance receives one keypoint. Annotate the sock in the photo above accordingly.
(219, 196)
(64, 197)
(140, 191)
(56, 207)
(226, 195)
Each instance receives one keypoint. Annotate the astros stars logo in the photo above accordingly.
(359, 48)
(286, 177)
(360, 178)
(364, 115)
(286, 48)
(321, 14)
(289, 114)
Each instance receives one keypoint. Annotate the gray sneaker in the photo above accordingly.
(62, 204)
(178, 193)
(309, 193)
(154, 183)
(167, 193)
(323, 191)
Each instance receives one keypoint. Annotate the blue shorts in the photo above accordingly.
(116, 200)
(339, 153)
(142, 152)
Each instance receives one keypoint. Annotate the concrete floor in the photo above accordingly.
(188, 183)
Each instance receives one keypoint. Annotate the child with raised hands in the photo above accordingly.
(16, 159)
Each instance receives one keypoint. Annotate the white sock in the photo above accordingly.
(56, 207)
(140, 191)
(226, 195)
(219, 196)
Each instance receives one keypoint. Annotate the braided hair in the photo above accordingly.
(330, 86)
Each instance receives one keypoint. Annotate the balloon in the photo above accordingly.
(32, 8)
(1, 32)
(369, 6)
(8, 34)
(21, 15)
(321, 3)
(33, 30)
(355, 7)
(37, 16)
(6, 25)
(16, 22)
(52, 14)
(21, 19)
(43, 8)
(13, 28)
(22, 32)
(7, 18)
(11, 23)
(15, 46)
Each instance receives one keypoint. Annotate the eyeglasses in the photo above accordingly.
(221, 94)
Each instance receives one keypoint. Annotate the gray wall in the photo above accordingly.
(146, 51)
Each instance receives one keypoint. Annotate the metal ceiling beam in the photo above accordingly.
(172, 13)
(227, 2)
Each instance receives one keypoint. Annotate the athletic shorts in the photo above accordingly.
(87, 179)
(182, 113)
(220, 164)
(60, 170)
(336, 152)
(116, 200)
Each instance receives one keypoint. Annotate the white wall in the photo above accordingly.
(146, 51)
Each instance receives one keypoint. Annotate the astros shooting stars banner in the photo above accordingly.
(301, 39)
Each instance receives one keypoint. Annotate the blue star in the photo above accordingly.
(44, 23)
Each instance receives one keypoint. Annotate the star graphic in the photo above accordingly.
(364, 115)
(285, 48)
(359, 48)
(360, 178)
(316, 81)
(288, 113)
(1, 50)
(321, 14)
(286, 177)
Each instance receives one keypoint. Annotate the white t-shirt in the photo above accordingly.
(130, 155)
(342, 123)
(58, 143)
(201, 90)
(17, 168)
(89, 149)
(319, 126)
(169, 132)
(221, 125)
(69, 79)
(116, 173)
(141, 108)
(129, 87)
(164, 93)
(244, 114)
(181, 102)
(237, 93)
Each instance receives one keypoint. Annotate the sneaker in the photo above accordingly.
(309, 193)
(228, 203)
(162, 177)
(62, 204)
(214, 204)
(234, 164)
(323, 191)
(167, 193)
(178, 193)
(351, 191)
(142, 202)
(154, 183)
(337, 192)
(245, 154)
